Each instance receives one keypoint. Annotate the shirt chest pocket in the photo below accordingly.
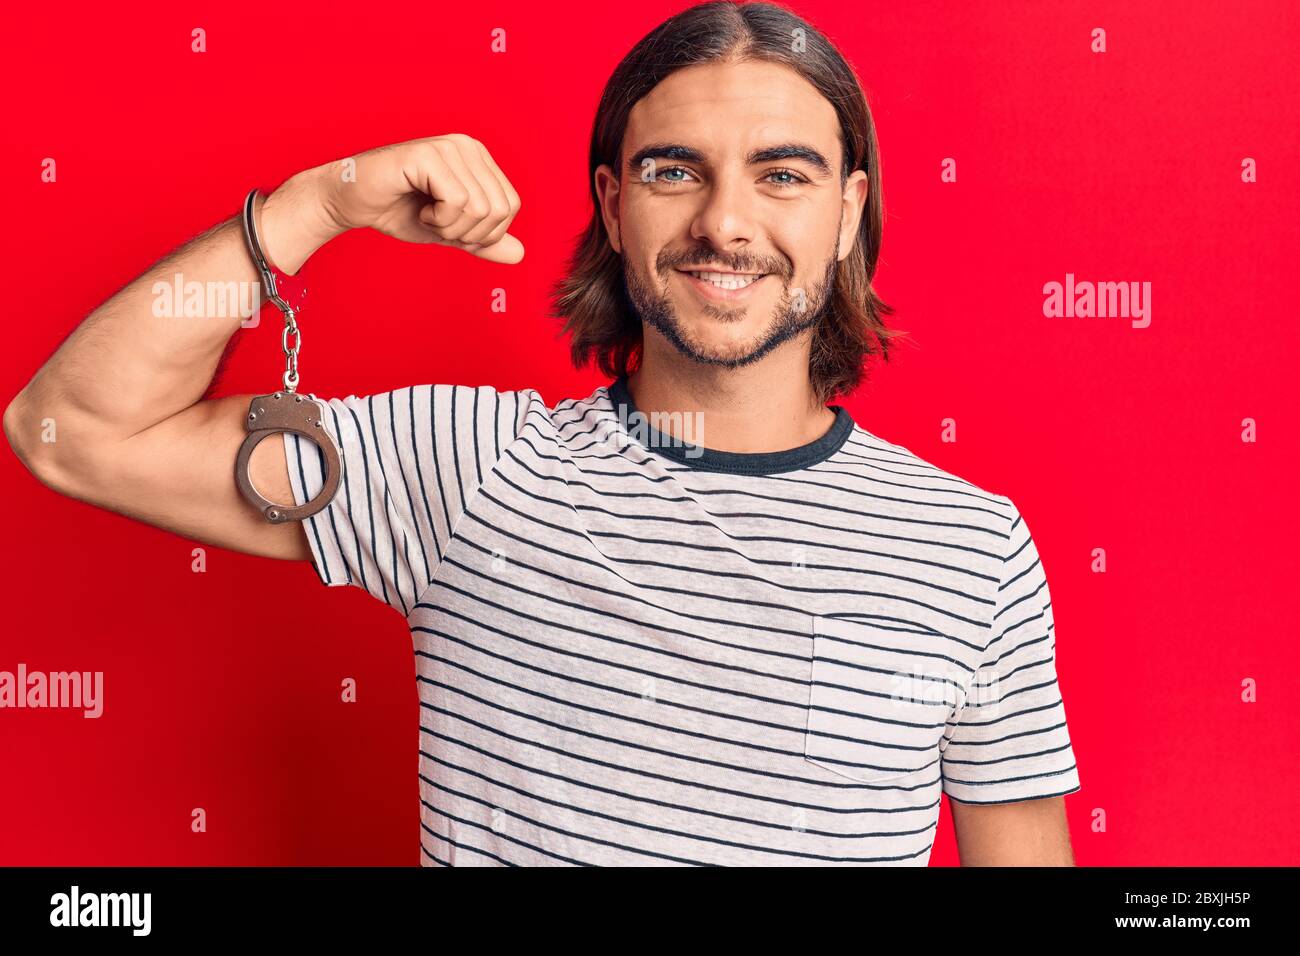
(879, 699)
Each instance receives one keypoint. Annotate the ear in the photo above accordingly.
(855, 199)
(607, 189)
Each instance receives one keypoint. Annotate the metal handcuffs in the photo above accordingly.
(285, 410)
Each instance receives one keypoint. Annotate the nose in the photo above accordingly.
(727, 214)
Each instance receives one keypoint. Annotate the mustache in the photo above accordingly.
(703, 259)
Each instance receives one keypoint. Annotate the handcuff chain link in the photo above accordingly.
(290, 352)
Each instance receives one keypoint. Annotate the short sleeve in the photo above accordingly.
(1011, 741)
(413, 458)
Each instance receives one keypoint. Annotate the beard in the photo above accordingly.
(797, 311)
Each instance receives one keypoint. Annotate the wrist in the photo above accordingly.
(294, 222)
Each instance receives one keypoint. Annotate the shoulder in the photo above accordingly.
(568, 416)
(875, 449)
(923, 484)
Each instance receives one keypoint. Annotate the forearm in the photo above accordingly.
(139, 359)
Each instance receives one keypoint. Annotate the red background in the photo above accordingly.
(222, 689)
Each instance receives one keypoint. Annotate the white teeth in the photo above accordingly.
(725, 280)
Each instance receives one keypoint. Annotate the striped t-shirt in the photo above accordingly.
(636, 651)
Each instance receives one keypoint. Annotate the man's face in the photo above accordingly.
(729, 211)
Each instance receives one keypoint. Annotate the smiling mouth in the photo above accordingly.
(730, 281)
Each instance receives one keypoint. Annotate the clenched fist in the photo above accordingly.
(444, 189)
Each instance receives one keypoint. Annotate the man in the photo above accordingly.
(696, 617)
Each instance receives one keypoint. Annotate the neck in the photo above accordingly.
(764, 407)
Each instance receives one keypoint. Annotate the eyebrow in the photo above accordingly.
(767, 154)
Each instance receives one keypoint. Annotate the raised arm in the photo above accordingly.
(122, 397)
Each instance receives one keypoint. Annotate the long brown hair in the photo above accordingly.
(592, 297)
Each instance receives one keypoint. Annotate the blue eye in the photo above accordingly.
(795, 179)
